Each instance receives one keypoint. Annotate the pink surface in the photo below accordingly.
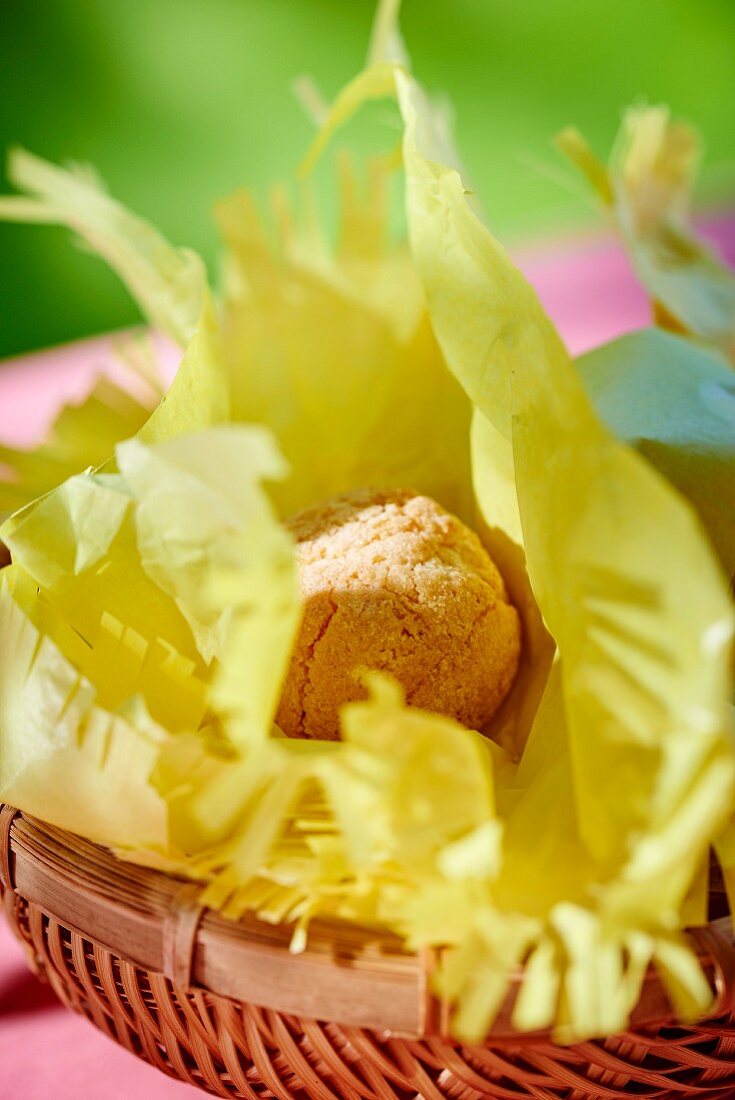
(45, 1052)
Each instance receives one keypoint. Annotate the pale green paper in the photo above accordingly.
(675, 403)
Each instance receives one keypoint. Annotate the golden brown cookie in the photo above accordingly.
(393, 582)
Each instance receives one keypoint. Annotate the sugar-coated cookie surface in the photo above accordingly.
(392, 581)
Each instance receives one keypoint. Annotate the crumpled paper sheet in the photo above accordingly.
(151, 607)
(121, 590)
(646, 190)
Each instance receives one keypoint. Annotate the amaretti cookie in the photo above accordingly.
(391, 581)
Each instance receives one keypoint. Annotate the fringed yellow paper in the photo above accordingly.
(167, 283)
(647, 191)
(84, 434)
(644, 673)
(149, 612)
(335, 348)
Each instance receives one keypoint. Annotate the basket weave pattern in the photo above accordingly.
(233, 1049)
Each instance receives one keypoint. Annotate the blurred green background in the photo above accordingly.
(177, 102)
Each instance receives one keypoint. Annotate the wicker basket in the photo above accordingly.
(225, 1007)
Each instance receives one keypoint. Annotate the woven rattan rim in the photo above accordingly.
(350, 976)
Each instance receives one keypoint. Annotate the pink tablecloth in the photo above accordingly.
(45, 1052)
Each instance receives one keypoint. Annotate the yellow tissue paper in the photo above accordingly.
(64, 758)
(647, 192)
(336, 346)
(168, 283)
(147, 619)
(645, 672)
(84, 434)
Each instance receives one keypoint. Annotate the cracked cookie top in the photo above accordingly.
(393, 582)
